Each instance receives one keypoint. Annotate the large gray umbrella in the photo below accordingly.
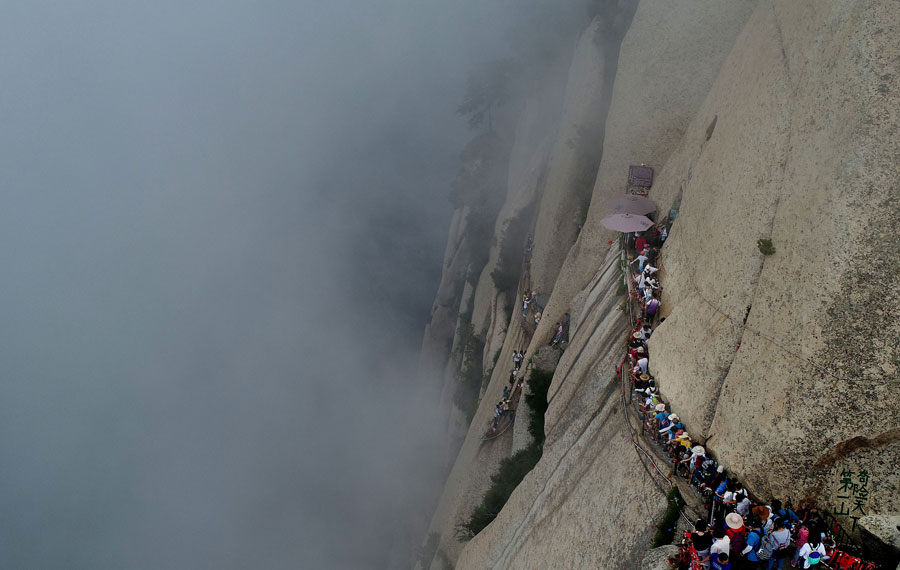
(626, 222)
(631, 204)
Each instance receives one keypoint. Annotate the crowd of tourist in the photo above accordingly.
(738, 532)
(505, 411)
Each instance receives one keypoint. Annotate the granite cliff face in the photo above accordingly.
(771, 119)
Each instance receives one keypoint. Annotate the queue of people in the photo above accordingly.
(739, 533)
(505, 410)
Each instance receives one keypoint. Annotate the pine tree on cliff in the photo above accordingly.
(486, 88)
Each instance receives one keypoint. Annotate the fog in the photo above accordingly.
(222, 229)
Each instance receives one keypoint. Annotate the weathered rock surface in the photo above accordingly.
(766, 119)
(538, 132)
(882, 533)
(588, 503)
(668, 61)
(658, 558)
(776, 359)
(573, 160)
(542, 358)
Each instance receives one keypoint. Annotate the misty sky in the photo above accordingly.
(221, 232)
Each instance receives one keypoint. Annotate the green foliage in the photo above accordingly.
(765, 246)
(429, 549)
(665, 531)
(444, 560)
(488, 86)
(487, 375)
(480, 187)
(512, 469)
(469, 351)
(482, 173)
(536, 399)
(512, 251)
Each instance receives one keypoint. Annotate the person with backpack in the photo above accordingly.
(784, 512)
(808, 551)
(704, 476)
(718, 496)
(736, 532)
(754, 541)
(781, 541)
(671, 427)
(729, 502)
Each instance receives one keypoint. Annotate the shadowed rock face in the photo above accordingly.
(773, 119)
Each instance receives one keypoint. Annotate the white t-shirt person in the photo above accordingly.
(808, 549)
(721, 545)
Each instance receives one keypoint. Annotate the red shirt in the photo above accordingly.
(640, 243)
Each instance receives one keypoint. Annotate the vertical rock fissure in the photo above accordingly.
(595, 322)
(770, 227)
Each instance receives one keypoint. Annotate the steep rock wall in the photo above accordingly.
(667, 64)
(769, 118)
(559, 106)
(527, 164)
(573, 157)
(787, 362)
(588, 501)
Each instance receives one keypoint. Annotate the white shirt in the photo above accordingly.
(806, 550)
(767, 526)
(743, 506)
(643, 363)
(721, 545)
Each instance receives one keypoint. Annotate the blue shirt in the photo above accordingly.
(714, 564)
(788, 514)
(754, 537)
